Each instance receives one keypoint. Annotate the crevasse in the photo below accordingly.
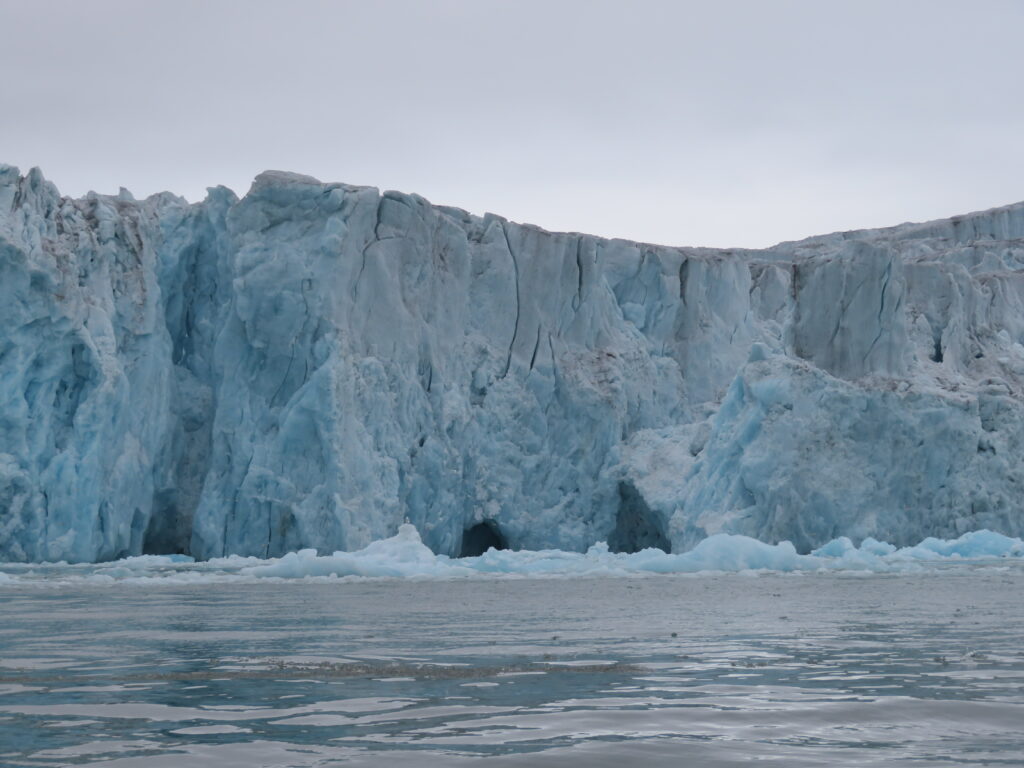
(313, 364)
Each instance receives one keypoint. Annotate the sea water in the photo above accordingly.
(839, 668)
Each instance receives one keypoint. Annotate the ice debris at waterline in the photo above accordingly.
(311, 364)
(405, 556)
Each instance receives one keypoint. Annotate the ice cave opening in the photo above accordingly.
(480, 538)
(637, 527)
(167, 532)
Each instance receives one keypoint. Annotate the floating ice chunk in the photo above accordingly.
(723, 552)
(402, 555)
(405, 556)
(977, 544)
(875, 547)
(835, 548)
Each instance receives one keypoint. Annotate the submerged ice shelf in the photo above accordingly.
(313, 364)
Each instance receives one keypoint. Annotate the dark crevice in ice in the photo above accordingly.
(637, 527)
(168, 530)
(480, 538)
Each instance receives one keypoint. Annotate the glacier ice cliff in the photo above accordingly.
(313, 364)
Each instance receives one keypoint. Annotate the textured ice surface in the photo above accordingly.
(405, 556)
(311, 365)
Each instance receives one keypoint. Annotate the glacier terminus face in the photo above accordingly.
(312, 365)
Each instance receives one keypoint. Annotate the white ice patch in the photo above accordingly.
(404, 556)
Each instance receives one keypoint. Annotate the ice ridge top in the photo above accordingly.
(313, 364)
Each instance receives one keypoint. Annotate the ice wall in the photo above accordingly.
(315, 363)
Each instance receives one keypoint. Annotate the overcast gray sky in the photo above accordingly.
(689, 123)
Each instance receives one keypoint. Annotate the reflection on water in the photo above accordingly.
(706, 671)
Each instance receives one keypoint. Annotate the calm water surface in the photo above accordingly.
(795, 670)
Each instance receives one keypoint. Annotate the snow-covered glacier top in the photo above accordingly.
(312, 365)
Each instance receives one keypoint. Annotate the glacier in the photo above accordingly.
(312, 365)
